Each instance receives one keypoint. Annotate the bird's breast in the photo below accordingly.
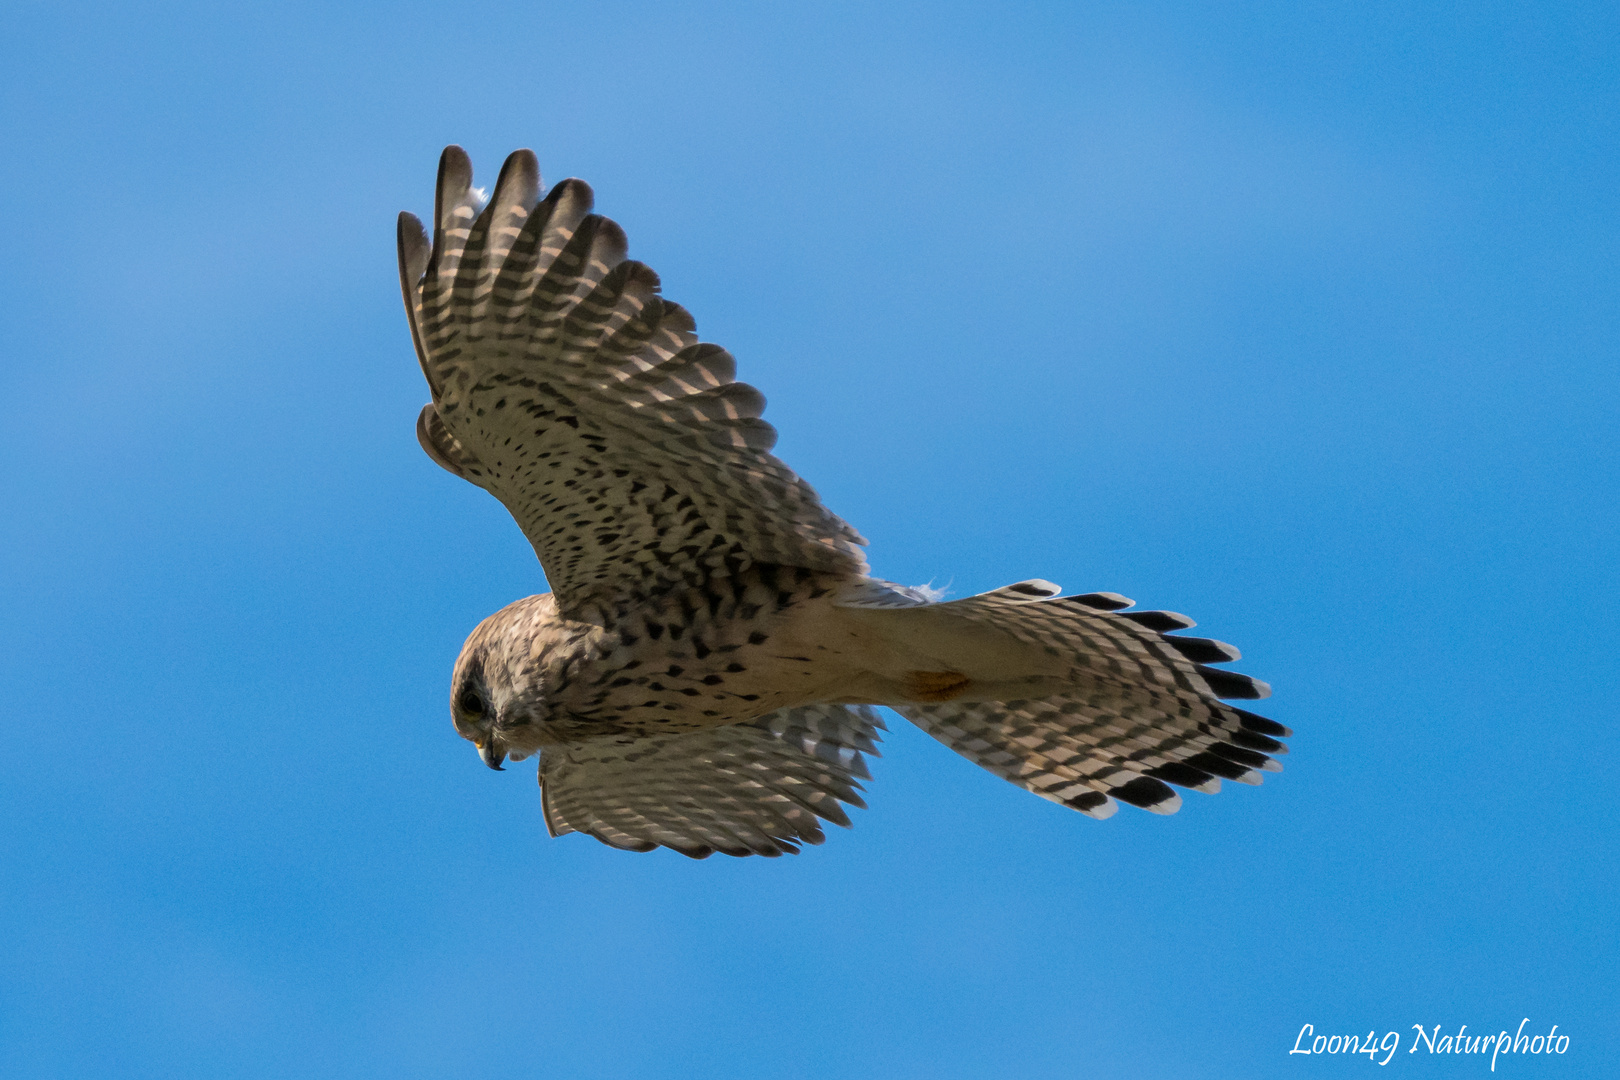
(698, 658)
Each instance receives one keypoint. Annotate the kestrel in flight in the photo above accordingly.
(703, 674)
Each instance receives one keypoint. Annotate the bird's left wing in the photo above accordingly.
(754, 788)
(568, 388)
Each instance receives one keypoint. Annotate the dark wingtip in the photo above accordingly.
(415, 254)
(1262, 725)
(454, 166)
(1149, 794)
(415, 251)
(695, 852)
(1217, 765)
(518, 182)
(1087, 801)
(576, 190)
(1203, 650)
(1263, 743)
(611, 245)
(1229, 684)
(1160, 621)
(1103, 601)
(521, 162)
(455, 177)
(1184, 775)
(1247, 758)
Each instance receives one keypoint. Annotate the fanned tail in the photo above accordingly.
(1090, 703)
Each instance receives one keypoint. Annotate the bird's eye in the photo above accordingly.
(471, 703)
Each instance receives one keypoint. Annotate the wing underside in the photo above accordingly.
(756, 788)
(565, 385)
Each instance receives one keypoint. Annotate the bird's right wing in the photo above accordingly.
(567, 387)
(754, 788)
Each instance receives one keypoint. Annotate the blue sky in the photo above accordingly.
(1298, 318)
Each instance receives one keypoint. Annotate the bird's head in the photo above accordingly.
(498, 692)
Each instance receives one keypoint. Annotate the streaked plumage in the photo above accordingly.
(702, 673)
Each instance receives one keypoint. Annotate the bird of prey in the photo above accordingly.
(702, 675)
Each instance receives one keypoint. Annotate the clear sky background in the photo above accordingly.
(1299, 318)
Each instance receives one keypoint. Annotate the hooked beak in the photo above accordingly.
(492, 755)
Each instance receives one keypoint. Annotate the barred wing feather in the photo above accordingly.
(753, 788)
(568, 388)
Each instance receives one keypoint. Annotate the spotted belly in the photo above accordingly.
(700, 658)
